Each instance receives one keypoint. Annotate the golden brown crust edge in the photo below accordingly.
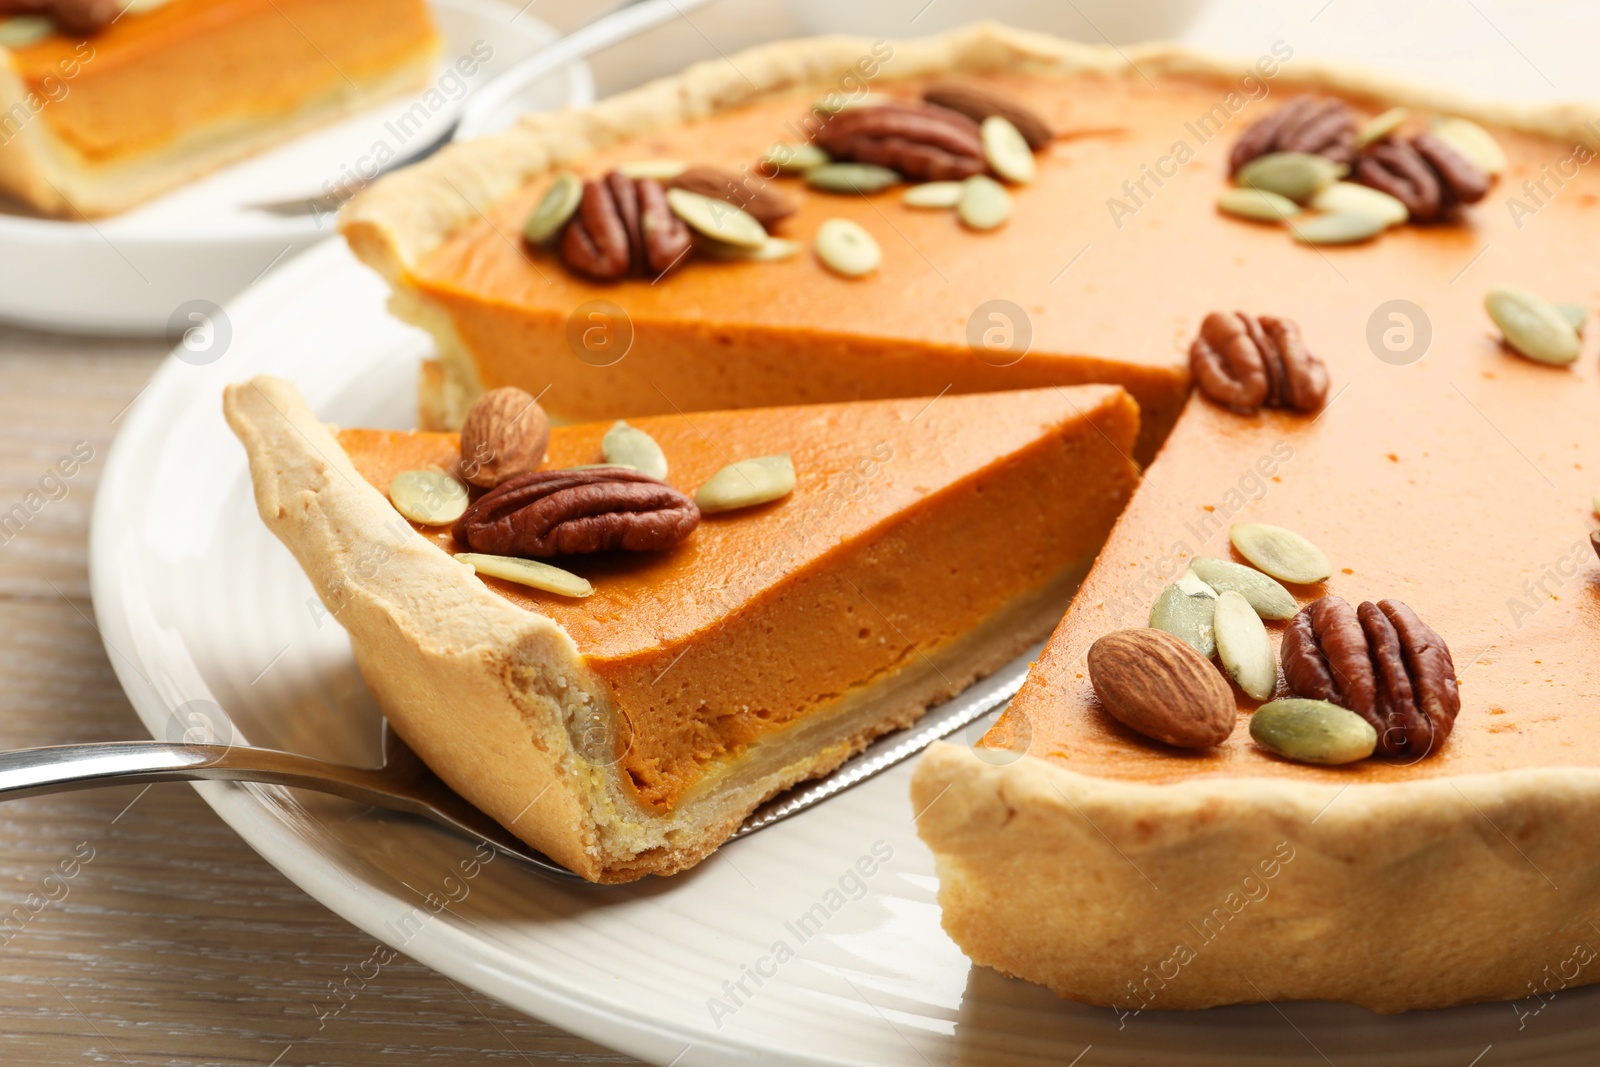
(1222, 891)
(402, 217)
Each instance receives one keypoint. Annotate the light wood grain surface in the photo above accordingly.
(141, 930)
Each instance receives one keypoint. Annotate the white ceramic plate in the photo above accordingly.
(143, 271)
(199, 607)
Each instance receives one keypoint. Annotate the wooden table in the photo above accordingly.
(170, 941)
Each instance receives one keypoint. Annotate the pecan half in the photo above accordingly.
(1246, 363)
(1303, 385)
(1463, 180)
(1395, 167)
(568, 512)
(978, 103)
(1383, 663)
(666, 236)
(623, 225)
(1227, 363)
(596, 242)
(625, 195)
(921, 141)
(757, 198)
(1317, 125)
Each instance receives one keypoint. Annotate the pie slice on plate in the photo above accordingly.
(95, 124)
(925, 543)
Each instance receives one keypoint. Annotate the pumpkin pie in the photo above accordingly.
(1445, 470)
(92, 125)
(925, 543)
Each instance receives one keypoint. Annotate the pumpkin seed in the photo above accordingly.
(1380, 126)
(629, 446)
(1243, 647)
(1296, 175)
(558, 205)
(747, 483)
(1007, 150)
(1532, 326)
(984, 203)
(933, 194)
(1312, 731)
(774, 249)
(1472, 141)
(1185, 610)
(1283, 554)
(23, 30)
(1577, 314)
(794, 158)
(845, 248)
(1338, 228)
(851, 177)
(528, 572)
(1348, 198)
(717, 219)
(659, 169)
(1258, 204)
(431, 498)
(1269, 599)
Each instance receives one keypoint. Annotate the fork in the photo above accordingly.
(404, 783)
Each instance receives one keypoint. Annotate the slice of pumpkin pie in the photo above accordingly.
(104, 105)
(666, 622)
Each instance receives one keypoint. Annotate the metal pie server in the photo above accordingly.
(405, 784)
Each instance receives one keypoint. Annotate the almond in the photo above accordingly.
(1156, 684)
(505, 434)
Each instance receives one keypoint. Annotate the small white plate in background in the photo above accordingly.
(149, 270)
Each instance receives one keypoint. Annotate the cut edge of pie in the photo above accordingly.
(495, 697)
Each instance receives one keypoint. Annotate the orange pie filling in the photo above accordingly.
(1447, 472)
(914, 524)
